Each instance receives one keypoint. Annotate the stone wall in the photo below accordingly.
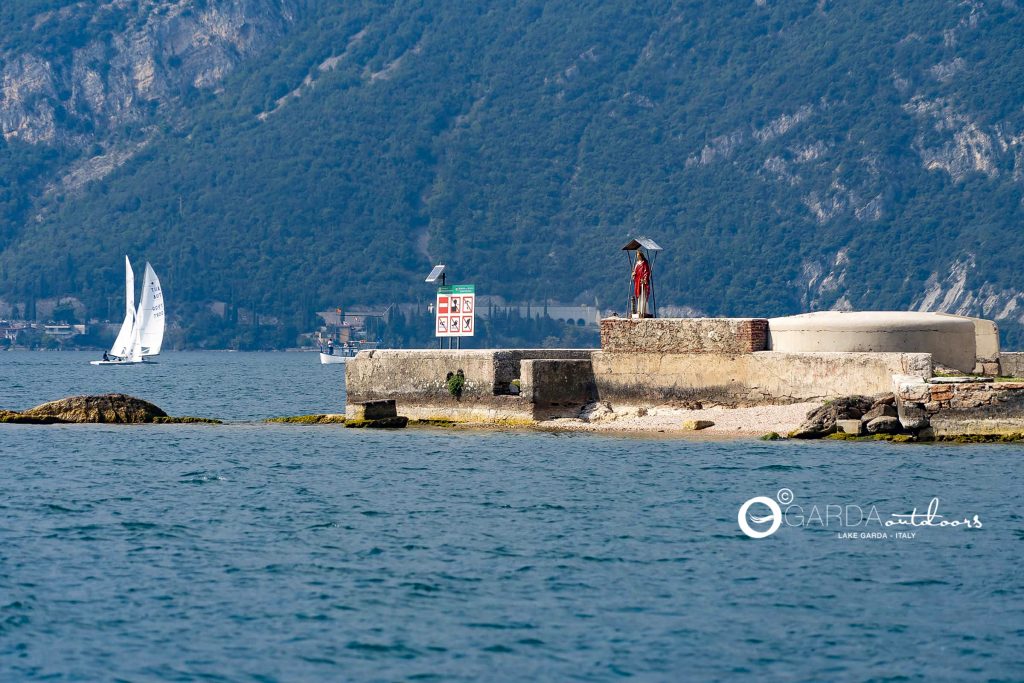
(1011, 364)
(963, 408)
(561, 385)
(558, 388)
(684, 335)
(750, 378)
(418, 381)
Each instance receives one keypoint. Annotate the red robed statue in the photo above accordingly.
(641, 284)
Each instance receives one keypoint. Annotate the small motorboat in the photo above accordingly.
(329, 359)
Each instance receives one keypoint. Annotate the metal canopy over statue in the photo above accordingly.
(641, 252)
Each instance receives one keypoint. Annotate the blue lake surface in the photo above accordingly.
(253, 552)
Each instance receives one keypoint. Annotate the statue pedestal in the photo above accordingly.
(684, 335)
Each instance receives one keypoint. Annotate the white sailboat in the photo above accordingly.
(142, 332)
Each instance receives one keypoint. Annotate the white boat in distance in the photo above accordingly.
(142, 332)
(336, 355)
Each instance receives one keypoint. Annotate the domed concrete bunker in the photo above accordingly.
(950, 339)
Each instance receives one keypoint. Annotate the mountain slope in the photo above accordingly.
(788, 157)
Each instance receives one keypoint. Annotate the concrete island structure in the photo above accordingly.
(734, 362)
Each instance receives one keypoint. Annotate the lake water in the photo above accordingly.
(252, 552)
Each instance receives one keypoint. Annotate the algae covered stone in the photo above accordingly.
(697, 425)
(317, 419)
(106, 408)
(102, 409)
(397, 422)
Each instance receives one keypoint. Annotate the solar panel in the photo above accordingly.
(435, 274)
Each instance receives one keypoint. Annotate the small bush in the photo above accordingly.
(456, 383)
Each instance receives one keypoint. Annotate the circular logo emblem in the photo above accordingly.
(746, 520)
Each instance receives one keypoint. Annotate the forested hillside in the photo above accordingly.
(291, 155)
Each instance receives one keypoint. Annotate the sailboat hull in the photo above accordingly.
(122, 362)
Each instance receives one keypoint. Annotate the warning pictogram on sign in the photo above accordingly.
(456, 311)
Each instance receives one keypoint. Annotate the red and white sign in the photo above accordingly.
(456, 311)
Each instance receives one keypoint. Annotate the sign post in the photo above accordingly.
(455, 311)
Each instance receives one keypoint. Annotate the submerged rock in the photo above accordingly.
(316, 419)
(11, 417)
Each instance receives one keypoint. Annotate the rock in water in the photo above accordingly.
(822, 421)
(9, 416)
(108, 408)
(879, 410)
(884, 425)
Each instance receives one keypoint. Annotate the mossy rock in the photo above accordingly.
(381, 423)
(892, 438)
(433, 422)
(11, 417)
(771, 436)
(103, 409)
(1010, 437)
(317, 419)
(106, 409)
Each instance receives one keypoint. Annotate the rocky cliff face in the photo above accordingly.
(160, 50)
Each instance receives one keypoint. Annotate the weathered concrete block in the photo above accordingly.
(911, 387)
(558, 388)
(912, 415)
(749, 378)
(991, 369)
(950, 339)
(371, 410)
(849, 426)
(684, 335)
(417, 379)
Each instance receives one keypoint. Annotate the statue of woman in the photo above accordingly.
(641, 283)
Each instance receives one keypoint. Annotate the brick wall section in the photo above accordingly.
(684, 335)
(936, 398)
(755, 333)
(962, 409)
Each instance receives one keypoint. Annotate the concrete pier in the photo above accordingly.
(646, 363)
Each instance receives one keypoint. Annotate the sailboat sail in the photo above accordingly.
(150, 318)
(126, 336)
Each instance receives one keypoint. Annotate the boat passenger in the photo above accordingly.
(106, 356)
